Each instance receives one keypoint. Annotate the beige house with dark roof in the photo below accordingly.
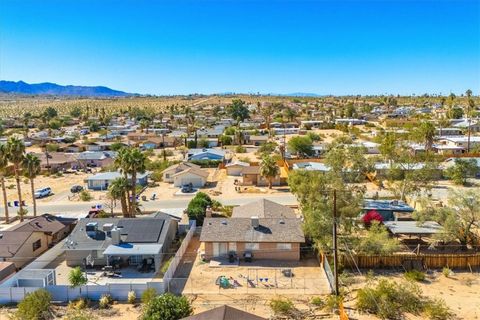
(262, 229)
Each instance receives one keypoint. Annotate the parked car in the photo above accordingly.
(187, 188)
(43, 192)
(76, 189)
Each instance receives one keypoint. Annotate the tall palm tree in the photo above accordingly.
(137, 163)
(3, 167)
(15, 152)
(118, 190)
(269, 169)
(31, 168)
(121, 164)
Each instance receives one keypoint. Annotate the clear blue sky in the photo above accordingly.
(201, 46)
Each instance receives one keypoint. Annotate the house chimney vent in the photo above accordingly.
(255, 222)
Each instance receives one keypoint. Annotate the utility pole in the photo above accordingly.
(469, 125)
(335, 248)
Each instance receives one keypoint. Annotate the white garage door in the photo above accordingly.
(196, 182)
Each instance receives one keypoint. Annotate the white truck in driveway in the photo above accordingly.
(43, 192)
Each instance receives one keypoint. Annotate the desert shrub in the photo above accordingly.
(105, 301)
(131, 297)
(389, 300)
(282, 306)
(78, 304)
(167, 307)
(377, 241)
(333, 302)
(415, 275)
(165, 265)
(240, 149)
(79, 315)
(148, 295)
(35, 306)
(85, 196)
(437, 310)
(318, 302)
(446, 272)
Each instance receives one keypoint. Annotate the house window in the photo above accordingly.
(135, 260)
(167, 175)
(284, 246)
(232, 246)
(251, 246)
(37, 244)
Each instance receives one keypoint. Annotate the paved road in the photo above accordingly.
(79, 209)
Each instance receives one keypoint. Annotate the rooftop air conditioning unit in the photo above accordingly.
(255, 222)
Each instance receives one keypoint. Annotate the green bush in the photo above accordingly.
(35, 306)
(318, 302)
(85, 196)
(197, 206)
(76, 277)
(148, 295)
(415, 275)
(167, 307)
(389, 300)
(240, 149)
(437, 310)
(78, 304)
(282, 306)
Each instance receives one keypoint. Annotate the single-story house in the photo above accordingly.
(195, 176)
(251, 177)
(235, 168)
(257, 140)
(275, 236)
(101, 181)
(161, 142)
(99, 159)
(57, 161)
(263, 208)
(140, 136)
(224, 313)
(167, 174)
(206, 154)
(138, 243)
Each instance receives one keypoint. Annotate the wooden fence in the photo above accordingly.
(428, 261)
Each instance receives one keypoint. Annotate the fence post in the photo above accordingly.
(11, 295)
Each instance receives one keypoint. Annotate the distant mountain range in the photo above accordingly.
(47, 88)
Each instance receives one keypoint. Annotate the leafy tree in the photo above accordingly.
(15, 153)
(290, 114)
(460, 219)
(35, 306)
(425, 133)
(225, 140)
(377, 241)
(3, 168)
(238, 110)
(462, 170)
(267, 112)
(167, 307)
(197, 207)
(269, 169)
(76, 112)
(267, 147)
(348, 162)
(50, 113)
(314, 136)
(77, 278)
(314, 191)
(302, 146)
(203, 143)
(31, 168)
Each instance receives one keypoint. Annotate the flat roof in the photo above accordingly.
(413, 227)
(129, 249)
(387, 205)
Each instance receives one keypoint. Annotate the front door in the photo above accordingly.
(220, 249)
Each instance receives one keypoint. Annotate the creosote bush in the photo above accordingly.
(415, 275)
(390, 300)
(148, 295)
(35, 306)
(282, 306)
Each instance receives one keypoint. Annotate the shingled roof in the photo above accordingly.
(263, 208)
(241, 230)
(224, 313)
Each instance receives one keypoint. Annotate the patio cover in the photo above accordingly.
(129, 249)
(411, 227)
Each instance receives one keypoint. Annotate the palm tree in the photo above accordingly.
(269, 169)
(3, 167)
(15, 152)
(137, 163)
(31, 168)
(118, 190)
(121, 163)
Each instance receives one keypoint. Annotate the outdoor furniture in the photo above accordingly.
(232, 257)
(153, 197)
(287, 273)
(248, 256)
(144, 198)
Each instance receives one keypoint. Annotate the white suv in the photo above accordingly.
(44, 192)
